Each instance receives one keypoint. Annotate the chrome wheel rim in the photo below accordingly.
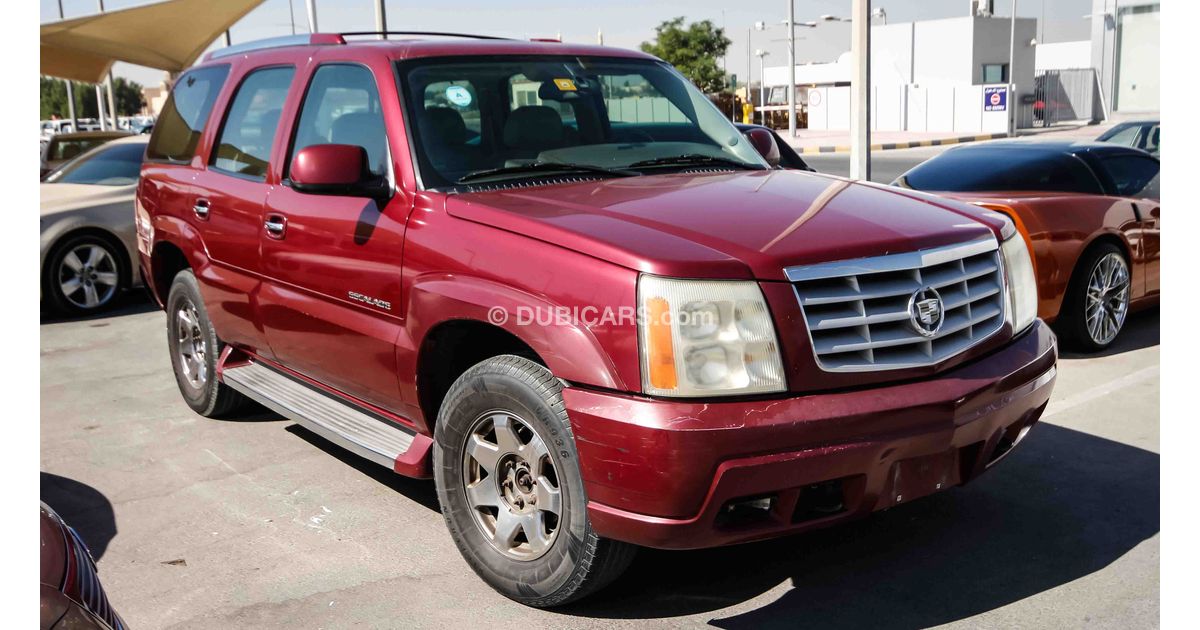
(87, 276)
(190, 346)
(511, 485)
(1107, 298)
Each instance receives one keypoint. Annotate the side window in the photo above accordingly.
(1151, 143)
(342, 107)
(177, 131)
(244, 144)
(1127, 136)
(1130, 174)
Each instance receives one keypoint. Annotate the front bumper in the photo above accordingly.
(684, 474)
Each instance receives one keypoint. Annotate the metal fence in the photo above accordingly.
(1060, 96)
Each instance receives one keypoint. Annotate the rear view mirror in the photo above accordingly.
(763, 141)
(335, 169)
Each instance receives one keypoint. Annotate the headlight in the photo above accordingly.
(1022, 285)
(706, 338)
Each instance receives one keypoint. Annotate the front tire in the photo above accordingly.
(1097, 299)
(509, 486)
(195, 349)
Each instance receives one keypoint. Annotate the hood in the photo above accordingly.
(57, 198)
(746, 224)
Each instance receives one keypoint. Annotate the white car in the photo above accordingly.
(89, 244)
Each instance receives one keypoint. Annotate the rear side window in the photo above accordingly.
(342, 107)
(1003, 170)
(1132, 175)
(244, 144)
(177, 131)
(113, 165)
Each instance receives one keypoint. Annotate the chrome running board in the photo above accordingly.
(346, 425)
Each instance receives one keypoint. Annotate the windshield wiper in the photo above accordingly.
(534, 168)
(690, 159)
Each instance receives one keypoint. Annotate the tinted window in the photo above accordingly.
(1131, 175)
(113, 165)
(1007, 169)
(342, 107)
(181, 122)
(244, 144)
(1127, 136)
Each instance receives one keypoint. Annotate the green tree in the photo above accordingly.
(127, 94)
(693, 50)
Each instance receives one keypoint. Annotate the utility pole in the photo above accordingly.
(749, 32)
(70, 86)
(312, 16)
(381, 18)
(860, 90)
(791, 88)
(292, 16)
(1012, 86)
(112, 106)
(228, 39)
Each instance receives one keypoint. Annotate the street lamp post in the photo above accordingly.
(791, 61)
(762, 86)
(860, 90)
(312, 16)
(381, 18)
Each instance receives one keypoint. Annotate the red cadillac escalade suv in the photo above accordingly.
(555, 279)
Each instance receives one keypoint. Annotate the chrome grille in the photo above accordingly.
(858, 316)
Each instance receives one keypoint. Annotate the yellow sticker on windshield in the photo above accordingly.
(566, 85)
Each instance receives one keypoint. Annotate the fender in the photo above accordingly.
(571, 351)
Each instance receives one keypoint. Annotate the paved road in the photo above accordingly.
(199, 523)
(886, 166)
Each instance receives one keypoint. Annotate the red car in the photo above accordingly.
(558, 281)
(71, 594)
(1089, 213)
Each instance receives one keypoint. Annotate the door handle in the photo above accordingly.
(275, 226)
(201, 208)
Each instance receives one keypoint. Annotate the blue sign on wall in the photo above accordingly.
(995, 99)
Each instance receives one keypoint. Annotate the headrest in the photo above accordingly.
(534, 127)
(445, 126)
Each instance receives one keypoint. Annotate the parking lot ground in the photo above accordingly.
(254, 522)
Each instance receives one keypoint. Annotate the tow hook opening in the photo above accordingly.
(820, 500)
(747, 511)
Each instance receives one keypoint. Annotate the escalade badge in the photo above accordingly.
(925, 311)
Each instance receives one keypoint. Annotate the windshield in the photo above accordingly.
(112, 165)
(504, 114)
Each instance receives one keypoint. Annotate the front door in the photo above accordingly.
(331, 302)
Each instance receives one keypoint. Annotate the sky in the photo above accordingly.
(625, 23)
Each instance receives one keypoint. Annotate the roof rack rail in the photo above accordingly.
(276, 42)
(433, 33)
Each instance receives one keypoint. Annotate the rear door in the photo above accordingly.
(229, 192)
(331, 302)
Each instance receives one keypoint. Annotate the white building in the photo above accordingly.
(1125, 53)
(934, 75)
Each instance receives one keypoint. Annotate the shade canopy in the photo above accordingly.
(167, 35)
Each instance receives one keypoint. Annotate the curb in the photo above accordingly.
(888, 146)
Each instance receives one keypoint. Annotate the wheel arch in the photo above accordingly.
(166, 260)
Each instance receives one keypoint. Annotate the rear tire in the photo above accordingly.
(1097, 300)
(504, 461)
(84, 274)
(195, 349)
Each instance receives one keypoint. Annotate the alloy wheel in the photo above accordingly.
(511, 485)
(88, 277)
(190, 345)
(1107, 298)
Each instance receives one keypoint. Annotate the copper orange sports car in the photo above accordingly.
(1089, 213)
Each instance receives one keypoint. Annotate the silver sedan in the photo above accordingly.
(89, 244)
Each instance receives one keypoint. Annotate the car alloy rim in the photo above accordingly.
(88, 276)
(190, 345)
(1107, 298)
(511, 485)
